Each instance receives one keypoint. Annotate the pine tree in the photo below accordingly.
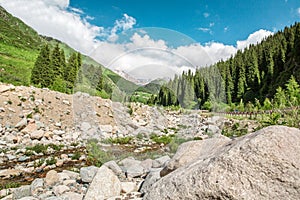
(41, 74)
(293, 91)
(57, 62)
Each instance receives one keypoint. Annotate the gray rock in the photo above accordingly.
(72, 196)
(147, 164)
(104, 185)
(87, 173)
(260, 165)
(160, 162)
(53, 198)
(134, 171)
(37, 183)
(21, 124)
(150, 179)
(23, 191)
(37, 134)
(51, 178)
(85, 126)
(193, 150)
(213, 129)
(60, 189)
(128, 187)
(23, 158)
(127, 162)
(29, 198)
(114, 167)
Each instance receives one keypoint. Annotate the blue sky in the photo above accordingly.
(223, 21)
(140, 37)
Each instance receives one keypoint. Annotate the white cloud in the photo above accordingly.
(211, 24)
(203, 29)
(206, 15)
(56, 19)
(51, 18)
(298, 11)
(127, 22)
(254, 38)
(225, 29)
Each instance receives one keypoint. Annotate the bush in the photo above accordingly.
(97, 156)
(39, 148)
(164, 139)
(118, 140)
(76, 156)
(51, 161)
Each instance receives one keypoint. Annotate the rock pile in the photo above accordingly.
(260, 165)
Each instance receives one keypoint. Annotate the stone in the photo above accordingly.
(21, 124)
(60, 189)
(85, 126)
(104, 185)
(150, 179)
(72, 196)
(23, 158)
(106, 128)
(7, 173)
(37, 134)
(147, 164)
(193, 150)
(127, 187)
(5, 88)
(36, 184)
(31, 127)
(71, 174)
(160, 162)
(53, 198)
(260, 165)
(51, 178)
(87, 173)
(22, 191)
(134, 171)
(29, 198)
(112, 165)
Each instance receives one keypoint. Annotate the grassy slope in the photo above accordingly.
(19, 48)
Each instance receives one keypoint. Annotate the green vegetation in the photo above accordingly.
(163, 139)
(39, 148)
(251, 76)
(97, 156)
(10, 185)
(118, 140)
(51, 161)
(76, 155)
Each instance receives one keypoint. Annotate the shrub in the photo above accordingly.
(97, 156)
(39, 148)
(118, 140)
(76, 155)
(164, 139)
(51, 161)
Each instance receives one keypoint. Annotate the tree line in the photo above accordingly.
(54, 71)
(255, 74)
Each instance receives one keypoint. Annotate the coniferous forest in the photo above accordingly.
(261, 74)
(53, 71)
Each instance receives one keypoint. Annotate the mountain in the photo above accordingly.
(253, 75)
(20, 46)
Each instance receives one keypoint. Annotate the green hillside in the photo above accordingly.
(20, 46)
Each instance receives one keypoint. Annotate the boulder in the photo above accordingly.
(104, 185)
(87, 173)
(23, 191)
(128, 187)
(150, 179)
(260, 165)
(37, 134)
(114, 167)
(160, 162)
(193, 150)
(51, 178)
(72, 196)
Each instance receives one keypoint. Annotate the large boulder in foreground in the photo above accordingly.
(105, 184)
(193, 150)
(260, 165)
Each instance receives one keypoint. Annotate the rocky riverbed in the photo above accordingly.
(44, 139)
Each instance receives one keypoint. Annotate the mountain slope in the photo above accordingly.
(19, 48)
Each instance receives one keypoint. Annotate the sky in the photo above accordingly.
(157, 38)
